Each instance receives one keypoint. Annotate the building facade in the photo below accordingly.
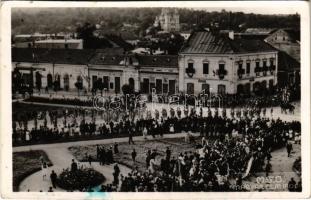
(223, 65)
(63, 68)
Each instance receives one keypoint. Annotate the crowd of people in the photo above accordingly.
(221, 161)
(217, 165)
(234, 145)
(59, 125)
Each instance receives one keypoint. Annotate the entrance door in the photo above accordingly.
(205, 87)
(94, 79)
(27, 79)
(132, 83)
(57, 82)
(171, 85)
(221, 89)
(240, 89)
(145, 88)
(256, 87)
(106, 82)
(159, 86)
(66, 82)
(152, 85)
(117, 84)
(247, 88)
(50, 80)
(190, 88)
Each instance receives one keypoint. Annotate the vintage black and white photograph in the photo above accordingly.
(156, 99)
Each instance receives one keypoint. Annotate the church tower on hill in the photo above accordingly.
(168, 20)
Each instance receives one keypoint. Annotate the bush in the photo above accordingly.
(80, 179)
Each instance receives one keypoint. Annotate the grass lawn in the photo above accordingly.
(26, 163)
(176, 145)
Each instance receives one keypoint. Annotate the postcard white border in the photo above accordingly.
(5, 101)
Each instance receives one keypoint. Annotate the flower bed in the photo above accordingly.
(83, 178)
(26, 163)
(176, 145)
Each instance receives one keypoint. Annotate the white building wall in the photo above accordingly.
(231, 80)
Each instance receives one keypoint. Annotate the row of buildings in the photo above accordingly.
(208, 61)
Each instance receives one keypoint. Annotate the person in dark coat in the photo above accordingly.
(74, 166)
(116, 149)
(131, 138)
(268, 168)
(116, 174)
(289, 148)
(53, 177)
(292, 185)
(168, 153)
(134, 154)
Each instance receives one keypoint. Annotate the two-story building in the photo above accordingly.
(221, 64)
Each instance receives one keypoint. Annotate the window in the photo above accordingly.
(221, 89)
(271, 61)
(159, 86)
(264, 67)
(257, 64)
(205, 68)
(240, 67)
(111, 85)
(222, 67)
(165, 88)
(190, 65)
(257, 68)
(66, 46)
(248, 68)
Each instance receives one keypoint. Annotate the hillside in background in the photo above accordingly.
(116, 20)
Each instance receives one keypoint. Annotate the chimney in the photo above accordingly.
(231, 35)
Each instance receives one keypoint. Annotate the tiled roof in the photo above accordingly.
(250, 45)
(58, 56)
(101, 58)
(158, 61)
(208, 42)
(286, 62)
